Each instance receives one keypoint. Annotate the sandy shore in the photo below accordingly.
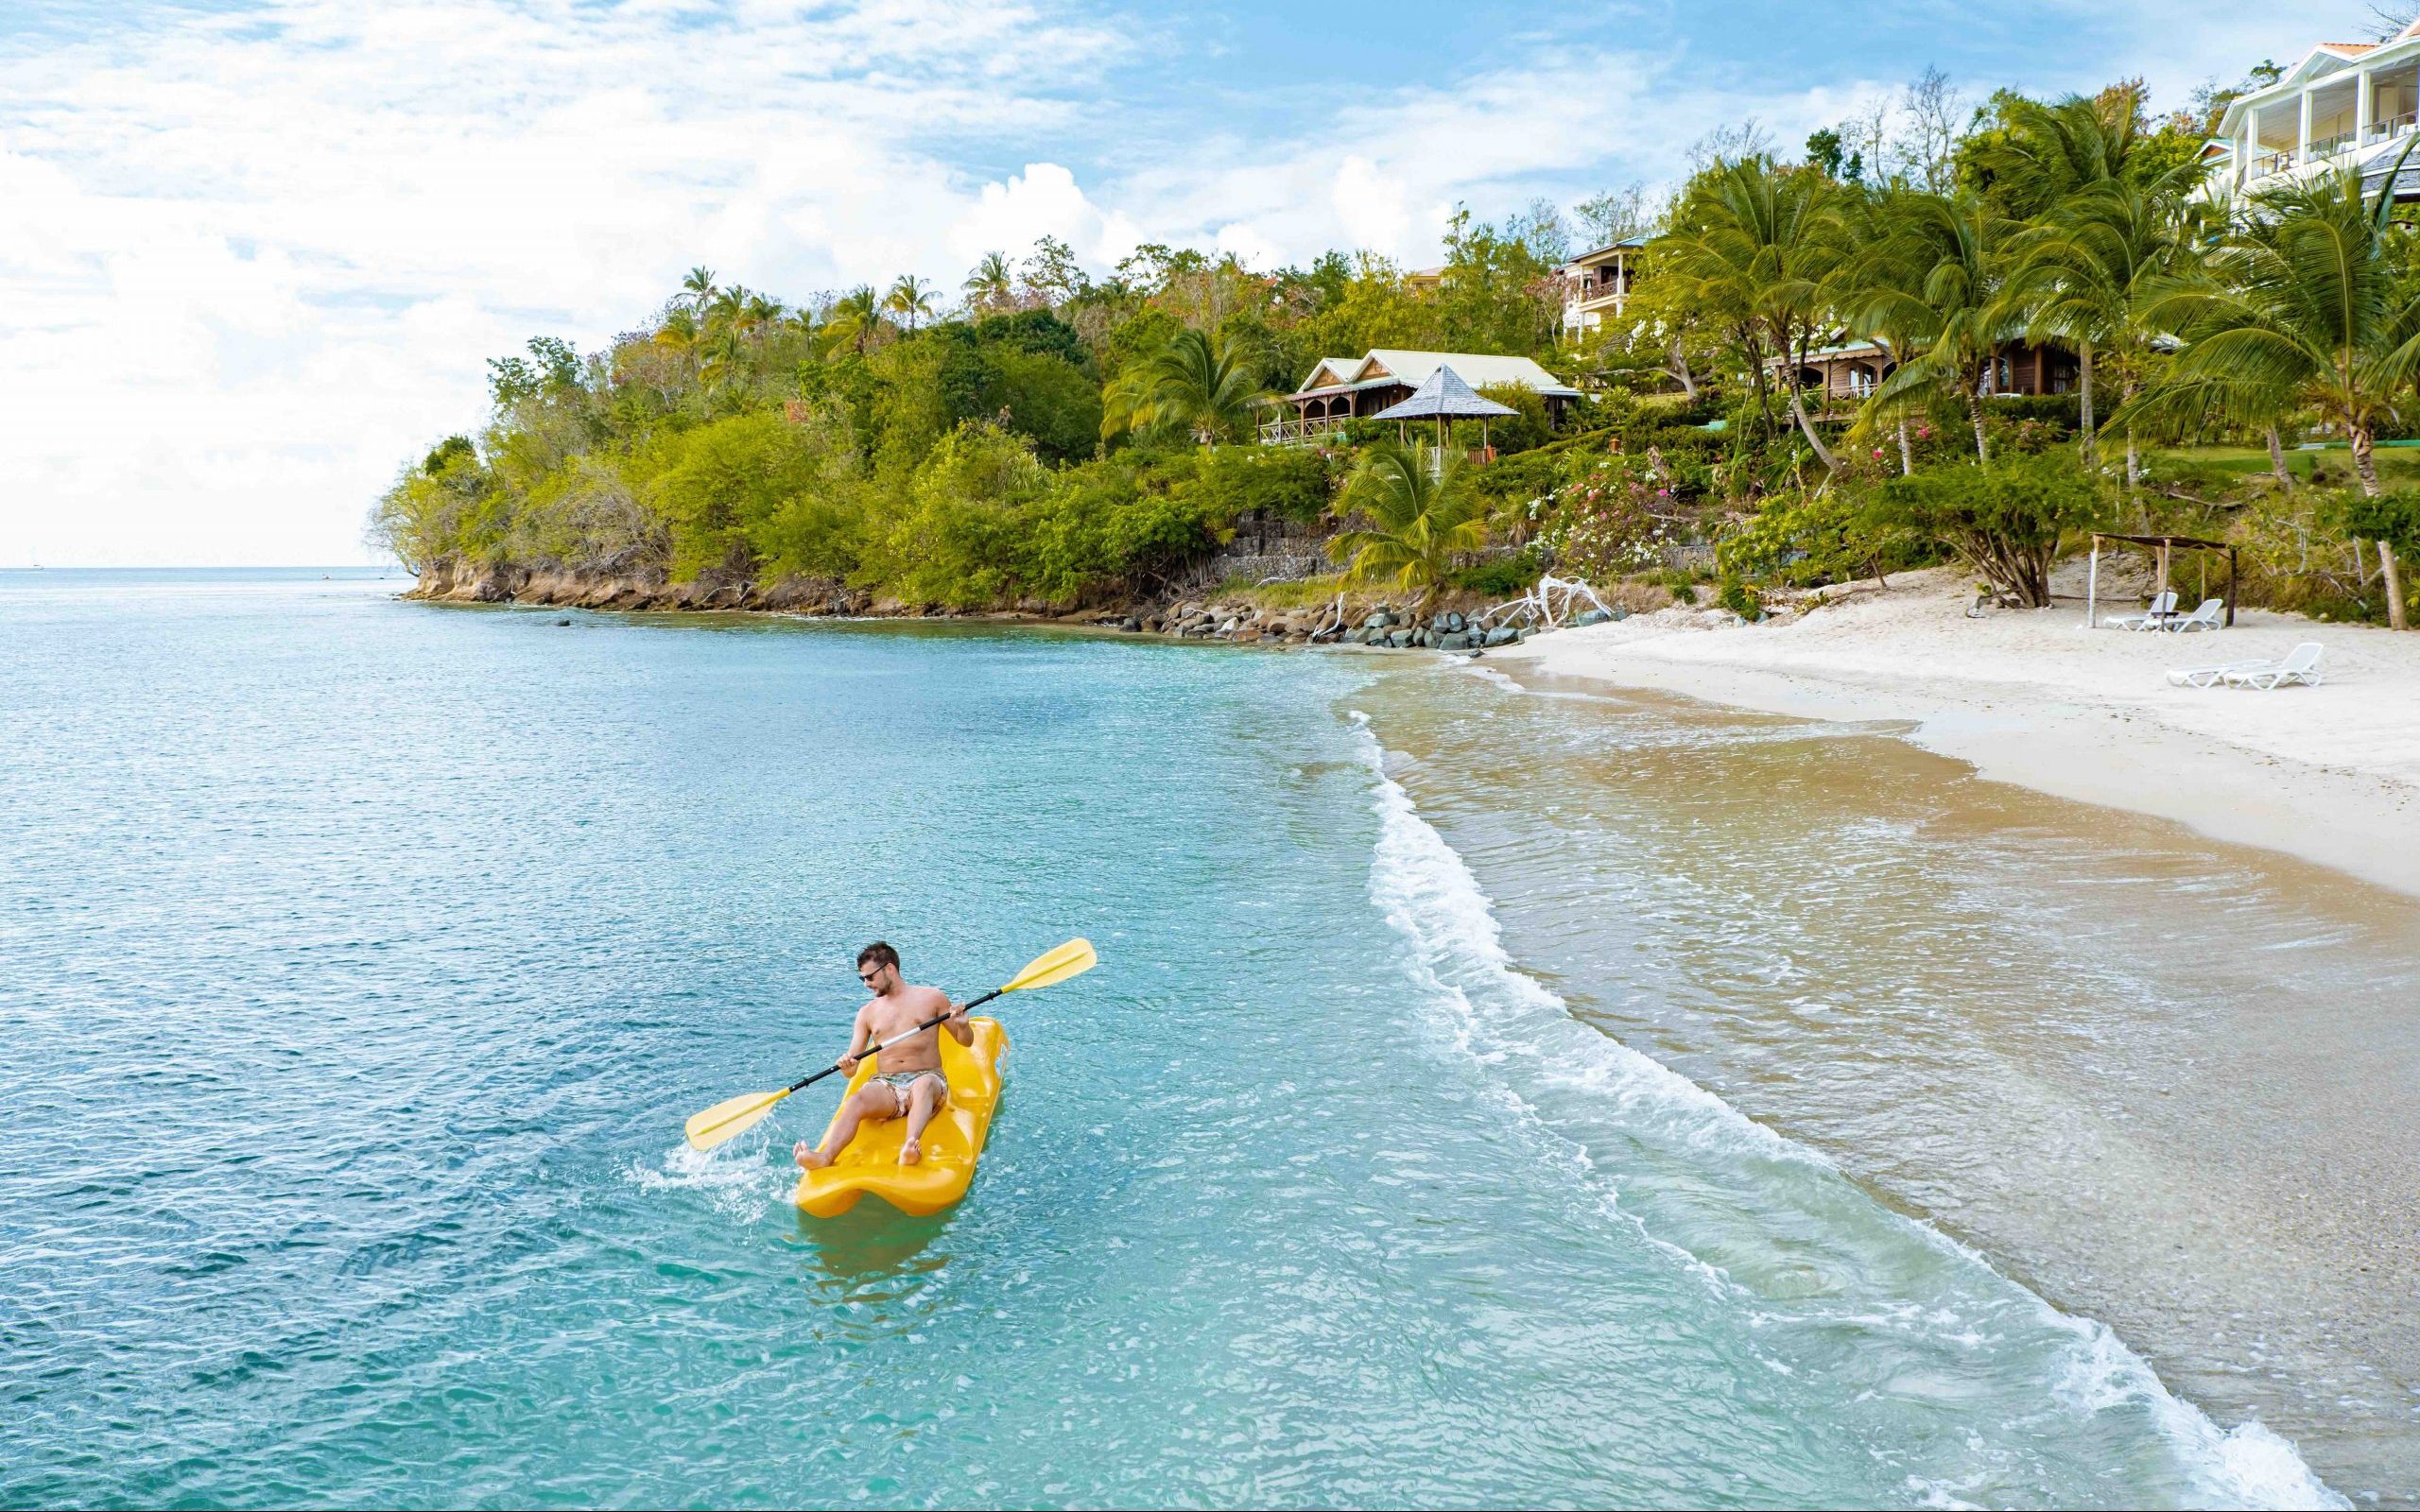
(2329, 774)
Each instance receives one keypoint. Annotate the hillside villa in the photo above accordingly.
(1597, 285)
(2346, 102)
(1849, 372)
(1342, 388)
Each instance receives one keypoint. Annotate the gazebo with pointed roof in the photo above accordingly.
(1442, 396)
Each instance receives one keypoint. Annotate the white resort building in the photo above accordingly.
(1342, 388)
(2346, 102)
(1597, 285)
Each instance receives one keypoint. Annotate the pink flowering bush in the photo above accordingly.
(1613, 516)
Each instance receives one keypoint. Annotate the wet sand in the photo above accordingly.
(2330, 774)
(2168, 1083)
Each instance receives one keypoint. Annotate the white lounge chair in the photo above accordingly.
(2161, 608)
(2210, 616)
(2301, 664)
(2208, 676)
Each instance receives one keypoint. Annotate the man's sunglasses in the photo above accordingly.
(867, 977)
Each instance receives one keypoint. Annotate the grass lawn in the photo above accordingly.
(2398, 465)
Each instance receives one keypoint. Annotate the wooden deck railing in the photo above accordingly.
(1299, 432)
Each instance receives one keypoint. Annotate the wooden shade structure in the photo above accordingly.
(1446, 397)
(2161, 548)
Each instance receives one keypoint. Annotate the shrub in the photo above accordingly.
(1829, 536)
(2394, 517)
(1500, 578)
(1518, 432)
(958, 539)
(1288, 482)
(1738, 596)
(2063, 413)
(2004, 522)
(1608, 520)
(725, 483)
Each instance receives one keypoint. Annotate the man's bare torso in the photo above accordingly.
(897, 1014)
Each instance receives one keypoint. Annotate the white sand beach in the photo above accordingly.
(2329, 774)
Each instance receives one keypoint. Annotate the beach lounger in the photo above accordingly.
(2301, 664)
(2161, 608)
(2206, 618)
(2208, 676)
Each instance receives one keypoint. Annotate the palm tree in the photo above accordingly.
(2050, 152)
(1888, 264)
(1756, 244)
(856, 318)
(680, 334)
(1953, 244)
(1194, 384)
(2087, 276)
(2302, 306)
(760, 317)
(909, 298)
(1420, 516)
(698, 286)
(992, 285)
(728, 309)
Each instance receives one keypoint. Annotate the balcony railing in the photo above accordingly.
(2388, 129)
(2327, 147)
(1300, 432)
(2265, 163)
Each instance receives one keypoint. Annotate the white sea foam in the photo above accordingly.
(1429, 895)
(734, 1177)
(1488, 674)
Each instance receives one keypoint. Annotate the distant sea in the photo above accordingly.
(362, 959)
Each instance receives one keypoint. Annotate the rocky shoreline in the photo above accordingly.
(1454, 622)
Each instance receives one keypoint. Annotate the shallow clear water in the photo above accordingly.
(363, 957)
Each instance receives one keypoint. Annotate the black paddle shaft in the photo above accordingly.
(810, 1081)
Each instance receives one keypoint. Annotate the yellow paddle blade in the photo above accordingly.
(1073, 958)
(717, 1123)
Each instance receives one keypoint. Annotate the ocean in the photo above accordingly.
(363, 957)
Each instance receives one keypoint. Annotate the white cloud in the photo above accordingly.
(252, 261)
(1041, 201)
(1369, 206)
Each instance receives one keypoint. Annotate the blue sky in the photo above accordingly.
(254, 255)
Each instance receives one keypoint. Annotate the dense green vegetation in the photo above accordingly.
(1057, 439)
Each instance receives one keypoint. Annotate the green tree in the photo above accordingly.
(1944, 297)
(1051, 275)
(725, 483)
(1495, 293)
(2004, 520)
(2303, 305)
(1757, 247)
(992, 285)
(856, 318)
(2088, 276)
(909, 299)
(1420, 514)
(1194, 386)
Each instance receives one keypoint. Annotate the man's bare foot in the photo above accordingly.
(911, 1152)
(809, 1158)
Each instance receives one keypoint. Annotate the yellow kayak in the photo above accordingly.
(953, 1140)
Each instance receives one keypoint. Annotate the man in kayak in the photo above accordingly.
(910, 1083)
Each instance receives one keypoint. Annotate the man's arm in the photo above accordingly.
(857, 1038)
(959, 1029)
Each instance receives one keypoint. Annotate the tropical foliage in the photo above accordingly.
(1415, 514)
(1067, 434)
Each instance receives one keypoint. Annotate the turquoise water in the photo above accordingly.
(362, 959)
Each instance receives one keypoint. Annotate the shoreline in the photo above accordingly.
(2329, 774)
(2163, 1085)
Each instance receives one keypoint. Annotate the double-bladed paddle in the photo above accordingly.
(717, 1123)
